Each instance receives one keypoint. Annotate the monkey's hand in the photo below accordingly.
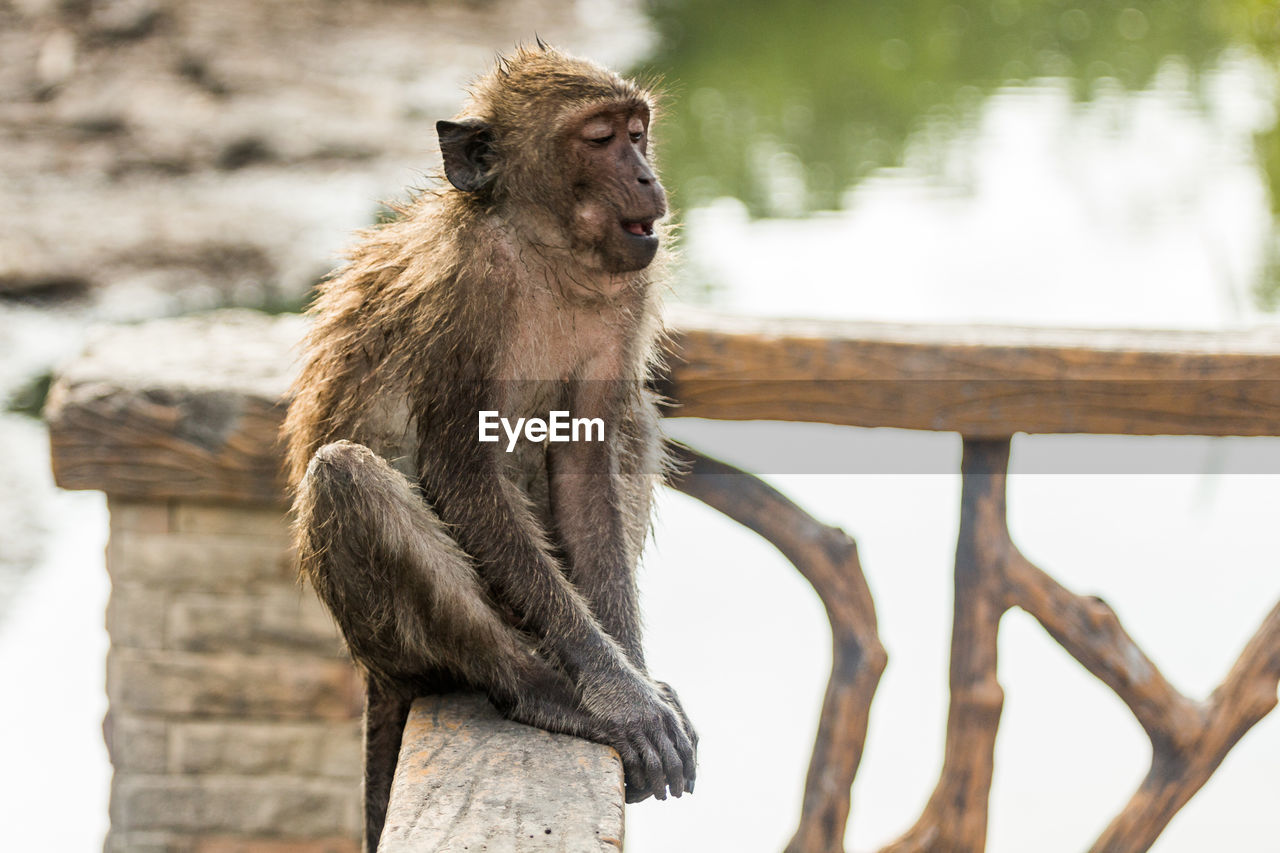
(669, 694)
(650, 732)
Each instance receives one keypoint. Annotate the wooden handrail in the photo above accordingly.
(980, 381)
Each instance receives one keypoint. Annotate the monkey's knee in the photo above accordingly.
(404, 595)
(342, 533)
(350, 480)
(341, 462)
(340, 452)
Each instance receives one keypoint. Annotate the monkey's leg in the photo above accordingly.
(409, 604)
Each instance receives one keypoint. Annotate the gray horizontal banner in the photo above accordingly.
(777, 447)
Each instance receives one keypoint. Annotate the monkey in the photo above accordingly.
(527, 282)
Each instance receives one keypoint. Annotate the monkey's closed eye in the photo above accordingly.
(602, 140)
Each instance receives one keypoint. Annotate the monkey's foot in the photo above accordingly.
(658, 750)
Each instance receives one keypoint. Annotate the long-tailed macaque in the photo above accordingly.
(525, 287)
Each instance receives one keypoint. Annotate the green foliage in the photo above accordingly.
(1266, 291)
(384, 214)
(785, 105)
(278, 302)
(29, 398)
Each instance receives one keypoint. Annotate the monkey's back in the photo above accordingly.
(383, 326)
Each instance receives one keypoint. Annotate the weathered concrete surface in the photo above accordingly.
(469, 780)
(203, 418)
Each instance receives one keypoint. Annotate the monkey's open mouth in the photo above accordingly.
(640, 227)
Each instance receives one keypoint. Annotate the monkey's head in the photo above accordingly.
(562, 145)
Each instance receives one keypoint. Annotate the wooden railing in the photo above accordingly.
(204, 426)
(987, 384)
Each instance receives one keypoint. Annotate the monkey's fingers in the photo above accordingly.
(682, 738)
(672, 765)
(652, 766)
(688, 751)
(637, 795)
(637, 786)
(673, 748)
(673, 700)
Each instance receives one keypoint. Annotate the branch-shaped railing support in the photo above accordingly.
(1188, 739)
(828, 558)
(955, 818)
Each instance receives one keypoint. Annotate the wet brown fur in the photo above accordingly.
(446, 561)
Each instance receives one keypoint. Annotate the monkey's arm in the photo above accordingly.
(600, 497)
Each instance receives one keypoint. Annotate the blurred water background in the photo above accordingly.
(1086, 163)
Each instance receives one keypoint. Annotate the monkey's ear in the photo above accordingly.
(467, 147)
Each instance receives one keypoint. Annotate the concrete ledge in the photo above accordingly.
(469, 780)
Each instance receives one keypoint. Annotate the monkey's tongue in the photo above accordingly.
(640, 229)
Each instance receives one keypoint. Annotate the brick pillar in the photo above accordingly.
(234, 714)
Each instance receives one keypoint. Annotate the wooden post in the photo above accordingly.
(469, 780)
(955, 818)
